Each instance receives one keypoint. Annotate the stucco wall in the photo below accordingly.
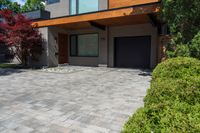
(42, 60)
(62, 8)
(53, 45)
(87, 61)
(103, 4)
(58, 9)
(106, 44)
(134, 30)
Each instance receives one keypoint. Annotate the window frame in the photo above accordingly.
(76, 35)
(52, 3)
(77, 8)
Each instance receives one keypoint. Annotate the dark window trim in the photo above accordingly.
(76, 35)
(77, 8)
(75, 44)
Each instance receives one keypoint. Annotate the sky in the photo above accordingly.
(21, 2)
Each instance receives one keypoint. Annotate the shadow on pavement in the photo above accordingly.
(145, 73)
(9, 71)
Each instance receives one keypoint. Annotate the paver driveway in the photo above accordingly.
(80, 100)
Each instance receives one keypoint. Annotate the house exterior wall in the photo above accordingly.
(133, 30)
(51, 35)
(58, 9)
(62, 8)
(43, 59)
(53, 45)
(106, 44)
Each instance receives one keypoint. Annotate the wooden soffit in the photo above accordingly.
(123, 12)
(126, 3)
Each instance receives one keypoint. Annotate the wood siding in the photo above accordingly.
(63, 48)
(99, 16)
(126, 3)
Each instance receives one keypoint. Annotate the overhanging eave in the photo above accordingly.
(103, 15)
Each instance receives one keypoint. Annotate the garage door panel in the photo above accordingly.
(132, 52)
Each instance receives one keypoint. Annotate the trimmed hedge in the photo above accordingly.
(175, 117)
(176, 68)
(172, 103)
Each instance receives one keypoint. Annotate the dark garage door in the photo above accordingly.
(132, 52)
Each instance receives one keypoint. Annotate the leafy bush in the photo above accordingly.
(190, 49)
(181, 50)
(181, 90)
(182, 16)
(172, 103)
(176, 68)
(8, 65)
(195, 46)
(174, 117)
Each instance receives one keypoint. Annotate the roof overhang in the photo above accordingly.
(108, 17)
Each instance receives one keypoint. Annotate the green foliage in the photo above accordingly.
(195, 46)
(181, 90)
(181, 50)
(172, 103)
(13, 6)
(177, 49)
(31, 5)
(177, 68)
(8, 65)
(182, 16)
(174, 117)
(183, 19)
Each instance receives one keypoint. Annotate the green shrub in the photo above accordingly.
(182, 90)
(174, 117)
(172, 103)
(182, 50)
(175, 68)
(195, 46)
(8, 65)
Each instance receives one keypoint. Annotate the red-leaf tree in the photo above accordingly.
(18, 34)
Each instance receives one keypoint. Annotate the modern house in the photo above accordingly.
(112, 33)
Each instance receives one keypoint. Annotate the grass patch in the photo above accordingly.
(6, 65)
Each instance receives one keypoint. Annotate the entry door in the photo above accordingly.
(132, 52)
(63, 48)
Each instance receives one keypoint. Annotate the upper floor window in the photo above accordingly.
(83, 6)
(52, 1)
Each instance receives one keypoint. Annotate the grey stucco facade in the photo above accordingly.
(106, 44)
(106, 37)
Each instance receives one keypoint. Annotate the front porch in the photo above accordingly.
(64, 35)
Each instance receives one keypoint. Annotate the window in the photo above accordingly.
(73, 8)
(52, 1)
(84, 45)
(83, 6)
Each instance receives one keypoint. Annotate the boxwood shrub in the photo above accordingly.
(176, 68)
(172, 103)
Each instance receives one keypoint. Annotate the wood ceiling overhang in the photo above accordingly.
(121, 16)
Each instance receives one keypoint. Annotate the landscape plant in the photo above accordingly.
(23, 40)
(172, 103)
(29, 5)
(183, 19)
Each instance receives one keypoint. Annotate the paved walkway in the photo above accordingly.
(81, 100)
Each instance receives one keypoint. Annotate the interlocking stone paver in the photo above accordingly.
(69, 99)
